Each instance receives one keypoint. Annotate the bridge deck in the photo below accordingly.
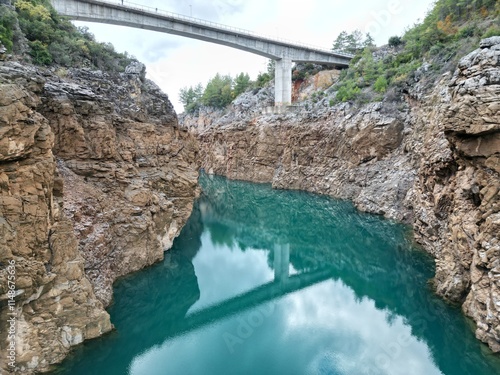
(138, 16)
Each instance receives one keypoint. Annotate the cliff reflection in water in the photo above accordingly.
(273, 282)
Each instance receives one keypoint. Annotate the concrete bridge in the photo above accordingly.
(138, 16)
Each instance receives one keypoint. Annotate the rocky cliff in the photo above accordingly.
(351, 153)
(55, 305)
(456, 194)
(130, 172)
(96, 179)
(428, 156)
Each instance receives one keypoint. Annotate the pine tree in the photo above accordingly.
(340, 44)
(218, 92)
(352, 43)
(369, 41)
(191, 97)
(241, 83)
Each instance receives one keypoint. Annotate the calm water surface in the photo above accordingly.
(278, 282)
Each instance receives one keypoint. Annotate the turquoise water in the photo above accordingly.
(278, 282)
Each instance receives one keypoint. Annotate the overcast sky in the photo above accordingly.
(174, 62)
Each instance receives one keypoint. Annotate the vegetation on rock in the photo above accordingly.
(221, 90)
(7, 22)
(450, 30)
(52, 39)
(303, 70)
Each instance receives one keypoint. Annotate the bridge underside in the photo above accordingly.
(281, 52)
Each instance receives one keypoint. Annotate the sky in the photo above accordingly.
(174, 62)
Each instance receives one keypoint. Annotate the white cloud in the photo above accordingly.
(237, 271)
(174, 62)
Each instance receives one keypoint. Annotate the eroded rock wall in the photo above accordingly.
(96, 181)
(359, 155)
(130, 172)
(457, 200)
(55, 305)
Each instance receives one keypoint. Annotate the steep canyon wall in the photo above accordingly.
(96, 180)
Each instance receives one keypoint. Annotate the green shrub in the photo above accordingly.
(436, 49)
(40, 53)
(395, 41)
(317, 96)
(404, 71)
(380, 84)
(348, 91)
(7, 21)
(403, 58)
(356, 59)
(262, 79)
(467, 31)
(492, 31)
(60, 54)
(54, 39)
(298, 75)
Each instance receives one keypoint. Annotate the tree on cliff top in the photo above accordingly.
(190, 98)
(353, 42)
(218, 92)
(241, 84)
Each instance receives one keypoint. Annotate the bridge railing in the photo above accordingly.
(202, 22)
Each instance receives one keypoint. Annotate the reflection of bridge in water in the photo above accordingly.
(318, 238)
(282, 285)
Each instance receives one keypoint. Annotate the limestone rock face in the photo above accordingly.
(55, 305)
(357, 155)
(136, 68)
(457, 192)
(96, 181)
(3, 50)
(130, 172)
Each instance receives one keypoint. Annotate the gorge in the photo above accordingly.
(98, 175)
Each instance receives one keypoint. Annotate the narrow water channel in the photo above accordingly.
(280, 282)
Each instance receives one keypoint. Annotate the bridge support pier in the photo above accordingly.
(281, 262)
(283, 82)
